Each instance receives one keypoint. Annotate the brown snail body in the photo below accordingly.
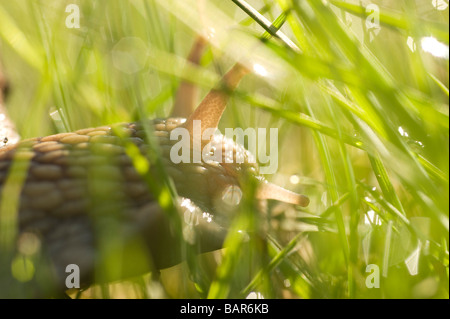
(73, 178)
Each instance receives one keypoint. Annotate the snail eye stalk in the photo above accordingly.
(210, 110)
(271, 191)
(187, 93)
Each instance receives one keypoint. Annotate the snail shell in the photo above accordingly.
(85, 203)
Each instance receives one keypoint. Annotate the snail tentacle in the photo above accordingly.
(187, 93)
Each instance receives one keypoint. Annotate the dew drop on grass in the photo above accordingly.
(440, 5)
(287, 283)
(57, 116)
(255, 295)
(260, 70)
(211, 33)
(434, 47)
(402, 131)
(324, 198)
(416, 146)
(245, 237)
(294, 179)
(371, 218)
(412, 261)
(368, 199)
(411, 44)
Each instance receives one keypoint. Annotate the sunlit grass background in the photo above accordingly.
(362, 112)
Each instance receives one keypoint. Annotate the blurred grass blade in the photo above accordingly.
(385, 183)
(439, 84)
(330, 177)
(10, 200)
(302, 119)
(277, 24)
(276, 260)
(397, 20)
(263, 22)
(17, 40)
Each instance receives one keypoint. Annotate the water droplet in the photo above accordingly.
(255, 295)
(433, 46)
(259, 69)
(188, 204)
(371, 218)
(211, 33)
(245, 236)
(189, 234)
(191, 212)
(294, 179)
(440, 5)
(416, 146)
(207, 216)
(411, 44)
(57, 115)
(402, 131)
(412, 261)
(232, 195)
(324, 198)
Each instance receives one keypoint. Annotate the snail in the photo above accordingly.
(80, 183)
